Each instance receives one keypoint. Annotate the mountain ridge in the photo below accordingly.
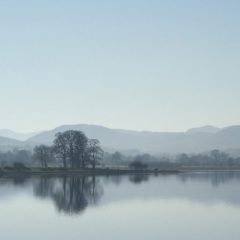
(198, 140)
(8, 133)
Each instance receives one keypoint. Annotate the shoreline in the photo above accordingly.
(83, 172)
(105, 172)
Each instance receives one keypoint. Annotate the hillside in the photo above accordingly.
(153, 142)
(132, 142)
(8, 143)
(15, 135)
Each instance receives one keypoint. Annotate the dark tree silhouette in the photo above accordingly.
(80, 142)
(61, 147)
(138, 165)
(43, 154)
(70, 147)
(94, 152)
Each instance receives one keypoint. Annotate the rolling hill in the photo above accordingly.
(199, 140)
(132, 142)
(15, 135)
(8, 143)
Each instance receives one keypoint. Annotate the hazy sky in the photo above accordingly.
(154, 65)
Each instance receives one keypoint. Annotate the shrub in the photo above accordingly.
(19, 166)
(137, 165)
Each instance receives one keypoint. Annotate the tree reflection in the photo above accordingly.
(138, 178)
(216, 178)
(71, 194)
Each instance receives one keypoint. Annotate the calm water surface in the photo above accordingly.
(185, 206)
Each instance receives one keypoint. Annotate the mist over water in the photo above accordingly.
(201, 205)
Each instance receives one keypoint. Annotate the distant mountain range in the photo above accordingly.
(192, 141)
(9, 141)
(15, 135)
(205, 129)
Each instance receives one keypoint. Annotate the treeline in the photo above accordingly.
(213, 158)
(72, 149)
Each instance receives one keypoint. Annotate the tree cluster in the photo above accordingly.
(213, 158)
(72, 148)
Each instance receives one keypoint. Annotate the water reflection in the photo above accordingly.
(74, 194)
(214, 178)
(137, 179)
(204, 205)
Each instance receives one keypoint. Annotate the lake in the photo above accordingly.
(200, 205)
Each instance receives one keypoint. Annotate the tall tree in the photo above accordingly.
(43, 154)
(95, 152)
(71, 146)
(80, 142)
(61, 147)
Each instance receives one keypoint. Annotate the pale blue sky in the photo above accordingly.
(153, 65)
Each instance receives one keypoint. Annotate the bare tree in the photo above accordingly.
(80, 142)
(71, 146)
(61, 147)
(95, 152)
(43, 154)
